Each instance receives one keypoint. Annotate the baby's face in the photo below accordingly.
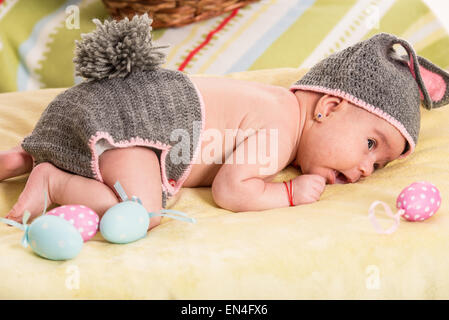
(348, 142)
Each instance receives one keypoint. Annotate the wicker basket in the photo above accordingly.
(171, 13)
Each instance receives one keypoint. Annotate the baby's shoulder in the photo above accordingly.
(278, 116)
(280, 110)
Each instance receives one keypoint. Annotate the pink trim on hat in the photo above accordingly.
(367, 107)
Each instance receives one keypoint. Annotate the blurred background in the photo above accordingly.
(37, 38)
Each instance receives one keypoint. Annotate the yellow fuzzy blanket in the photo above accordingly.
(324, 250)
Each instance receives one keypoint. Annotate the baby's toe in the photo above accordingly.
(15, 216)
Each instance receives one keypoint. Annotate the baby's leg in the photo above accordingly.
(138, 171)
(62, 188)
(14, 162)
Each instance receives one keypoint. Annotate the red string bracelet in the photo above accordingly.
(289, 193)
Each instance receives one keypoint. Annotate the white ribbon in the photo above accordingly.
(396, 217)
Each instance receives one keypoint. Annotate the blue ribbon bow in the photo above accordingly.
(174, 213)
(24, 226)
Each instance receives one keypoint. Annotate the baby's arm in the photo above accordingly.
(240, 186)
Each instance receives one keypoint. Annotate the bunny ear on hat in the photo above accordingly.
(433, 82)
(436, 82)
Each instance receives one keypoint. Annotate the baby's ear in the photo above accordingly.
(436, 81)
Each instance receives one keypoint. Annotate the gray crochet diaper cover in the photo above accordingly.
(161, 109)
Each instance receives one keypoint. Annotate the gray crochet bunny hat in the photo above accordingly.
(373, 76)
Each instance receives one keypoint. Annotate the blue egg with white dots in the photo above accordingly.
(54, 238)
(125, 222)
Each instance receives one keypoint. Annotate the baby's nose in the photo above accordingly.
(367, 173)
(366, 169)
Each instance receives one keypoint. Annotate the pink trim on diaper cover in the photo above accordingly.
(367, 107)
(200, 137)
(135, 141)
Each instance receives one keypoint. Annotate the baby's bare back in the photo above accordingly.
(232, 104)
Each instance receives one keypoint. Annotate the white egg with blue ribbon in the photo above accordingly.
(124, 222)
(128, 220)
(54, 238)
(50, 237)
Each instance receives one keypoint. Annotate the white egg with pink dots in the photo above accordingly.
(84, 219)
(420, 201)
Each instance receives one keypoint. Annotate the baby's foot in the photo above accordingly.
(32, 197)
(154, 222)
(14, 162)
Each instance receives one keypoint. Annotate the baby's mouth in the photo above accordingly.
(340, 178)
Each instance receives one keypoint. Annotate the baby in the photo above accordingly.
(156, 130)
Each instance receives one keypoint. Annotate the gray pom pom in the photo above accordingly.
(114, 49)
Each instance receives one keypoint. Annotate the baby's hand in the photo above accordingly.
(307, 188)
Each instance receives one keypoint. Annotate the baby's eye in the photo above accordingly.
(376, 166)
(373, 143)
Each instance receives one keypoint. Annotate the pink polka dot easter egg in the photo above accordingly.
(420, 201)
(84, 219)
